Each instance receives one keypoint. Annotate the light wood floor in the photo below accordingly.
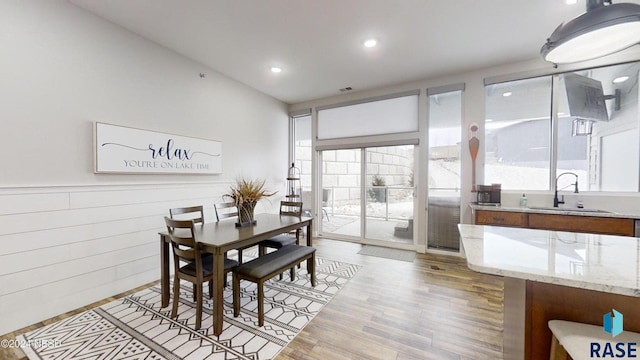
(433, 308)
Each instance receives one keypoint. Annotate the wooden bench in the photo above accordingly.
(267, 266)
(572, 340)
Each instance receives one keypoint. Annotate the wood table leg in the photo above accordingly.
(164, 270)
(309, 228)
(218, 292)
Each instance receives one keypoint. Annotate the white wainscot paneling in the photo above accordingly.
(21, 315)
(38, 276)
(50, 238)
(124, 209)
(87, 199)
(29, 203)
(91, 243)
(19, 223)
(51, 298)
(144, 265)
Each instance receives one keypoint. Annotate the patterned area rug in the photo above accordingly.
(387, 253)
(136, 327)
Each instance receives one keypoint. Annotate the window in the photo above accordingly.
(605, 158)
(445, 137)
(302, 151)
(596, 135)
(517, 134)
(445, 129)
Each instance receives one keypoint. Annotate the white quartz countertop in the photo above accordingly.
(557, 211)
(604, 263)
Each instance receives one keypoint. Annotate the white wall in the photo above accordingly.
(69, 237)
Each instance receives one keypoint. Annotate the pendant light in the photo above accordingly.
(602, 30)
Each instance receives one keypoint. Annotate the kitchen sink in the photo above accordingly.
(570, 209)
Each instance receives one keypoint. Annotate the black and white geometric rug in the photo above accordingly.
(136, 327)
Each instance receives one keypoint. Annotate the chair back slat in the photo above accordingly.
(292, 208)
(195, 213)
(225, 210)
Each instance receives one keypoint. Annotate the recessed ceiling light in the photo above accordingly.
(370, 43)
(571, 2)
(620, 79)
(276, 69)
(507, 93)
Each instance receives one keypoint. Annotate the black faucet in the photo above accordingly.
(556, 201)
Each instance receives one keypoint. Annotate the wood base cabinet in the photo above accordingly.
(585, 224)
(557, 222)
(501, 218)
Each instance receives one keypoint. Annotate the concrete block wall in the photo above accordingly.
(342, 170)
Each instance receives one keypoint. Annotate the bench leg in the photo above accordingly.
(260, 285)
(298, 243)
(292, 273)
(236, 295)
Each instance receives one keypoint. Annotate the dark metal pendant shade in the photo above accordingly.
(601, 31)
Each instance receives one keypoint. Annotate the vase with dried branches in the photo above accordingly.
(245, 194)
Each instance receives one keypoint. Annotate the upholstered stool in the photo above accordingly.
(573, 340)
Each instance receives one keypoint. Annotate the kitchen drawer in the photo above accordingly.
(501, 218)
(584, 224)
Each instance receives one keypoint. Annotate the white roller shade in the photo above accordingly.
(387, 116)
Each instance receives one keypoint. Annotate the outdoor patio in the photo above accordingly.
(390, 223)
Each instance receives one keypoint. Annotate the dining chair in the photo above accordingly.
(195, 213)
(224, 211)
(196, 270)
(279, 241)
(286, 208)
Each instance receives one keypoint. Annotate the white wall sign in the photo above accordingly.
(120, 149)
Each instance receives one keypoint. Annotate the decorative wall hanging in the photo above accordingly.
(125, 150)
(474, 145)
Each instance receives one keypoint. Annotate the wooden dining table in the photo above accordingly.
(218, 238)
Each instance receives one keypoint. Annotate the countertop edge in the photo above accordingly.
(560, 211)
(554, 280)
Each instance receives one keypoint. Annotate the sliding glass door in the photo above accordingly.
(377, 207)
(341, 195)
(389, 194)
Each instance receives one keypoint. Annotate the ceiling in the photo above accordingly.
(319, 43)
